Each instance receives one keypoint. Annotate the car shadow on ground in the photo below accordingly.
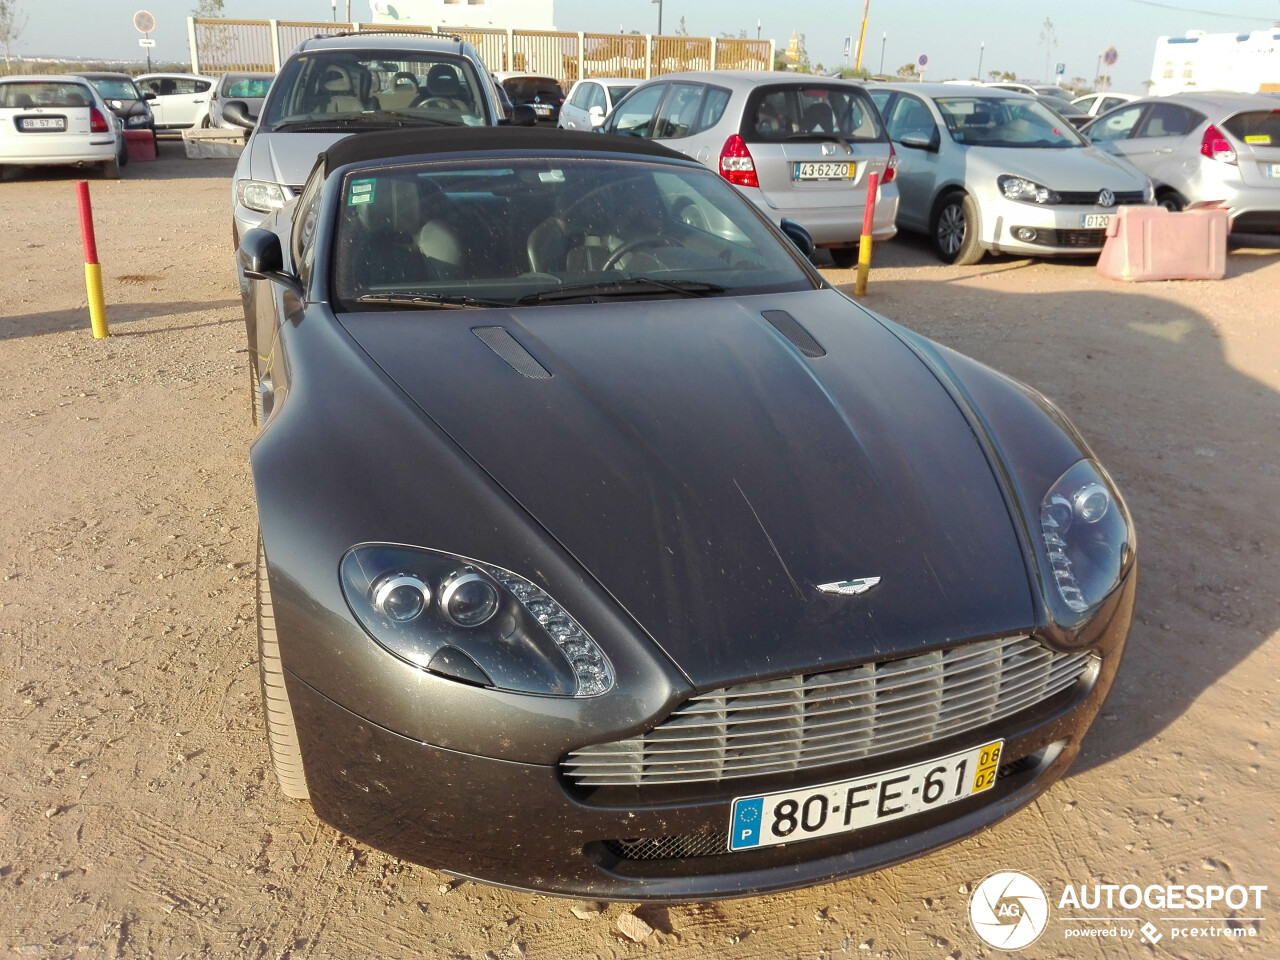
(59, 321)
(171, 163)
(1189, 438)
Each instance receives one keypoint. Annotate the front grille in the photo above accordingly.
(1089, 198)
(1073, 238)
(816, 720)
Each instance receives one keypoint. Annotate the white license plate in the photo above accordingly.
(776, 818)
(1095, 221)
(823, 170)
(1271, 169)
(541, 108)
(43, 123)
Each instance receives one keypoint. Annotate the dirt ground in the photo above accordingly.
(137, 814)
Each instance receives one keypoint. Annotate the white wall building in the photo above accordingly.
(503, 14)
(1245, 62)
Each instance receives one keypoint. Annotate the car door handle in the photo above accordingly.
(1165, 150)
(197, 101)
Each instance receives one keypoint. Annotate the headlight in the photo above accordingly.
(471, 621)
(1028, 191)
(138, 119)
(1088, 539)
(260, 195)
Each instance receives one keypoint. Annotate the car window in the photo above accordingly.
(503, 229)
(1086, 103)
(1110, 103)
(350, 88)
(578, 95)
(21, 94)
(998, 121)
(617, 92)
(1115, 126)
(880, 98)
(247, 87)
(1168, 120)
(679, 111)
(305, 219)
(116, 89)
(1259, 128)
(597, 98)
(634, 115)
(910, 117)
(795, 112)
(713, 106)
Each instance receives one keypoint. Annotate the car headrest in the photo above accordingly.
(403, 77)
(442, 81)
(336, 82)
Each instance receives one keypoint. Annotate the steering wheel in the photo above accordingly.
(436, 103)
(648, 240)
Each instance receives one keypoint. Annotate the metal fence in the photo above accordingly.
(220, 46)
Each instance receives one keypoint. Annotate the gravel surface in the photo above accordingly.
(138, 817)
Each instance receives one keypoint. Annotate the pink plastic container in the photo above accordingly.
(1151, 243)
(141, 144)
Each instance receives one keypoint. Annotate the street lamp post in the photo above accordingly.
(659, 3)
(334, 4)
(982, 49)
(883, 40)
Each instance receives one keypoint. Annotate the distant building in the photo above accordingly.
(791, 56)
(1245, 62)
(504, 14)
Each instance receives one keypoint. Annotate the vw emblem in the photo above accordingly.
(828, 149)
(849, 588)
(1106, 198)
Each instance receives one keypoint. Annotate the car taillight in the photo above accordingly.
(736, 164)
(97, 122)
(1217, 147)
(891, 170)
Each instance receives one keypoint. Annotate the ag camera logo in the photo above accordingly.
(1009, 910)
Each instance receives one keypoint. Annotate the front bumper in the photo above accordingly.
(1059, 229)
(525, 826)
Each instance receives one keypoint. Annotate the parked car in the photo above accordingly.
(798, 147)
(1054, 97)
(556, 569)
(983, 170)
(331, 87)
(249, 88)
(1203, 147)
(1098, 103)
(58, 120)
(542, 93)
(181, 99)
(591, 100)
(124, 99)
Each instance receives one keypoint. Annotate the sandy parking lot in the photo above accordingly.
(137, 814)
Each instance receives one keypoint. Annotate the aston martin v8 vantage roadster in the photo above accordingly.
(607, 550)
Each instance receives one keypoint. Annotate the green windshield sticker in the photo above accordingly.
(361, 192)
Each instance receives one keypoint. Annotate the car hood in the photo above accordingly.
(710, 476)
(288, 157)
(1087, 168)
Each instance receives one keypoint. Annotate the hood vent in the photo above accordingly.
(509, 349)
(789, 327)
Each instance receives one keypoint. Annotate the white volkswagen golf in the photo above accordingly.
(57, 121)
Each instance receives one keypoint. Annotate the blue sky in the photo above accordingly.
(949, 32)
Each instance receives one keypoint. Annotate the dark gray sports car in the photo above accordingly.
(608, 551)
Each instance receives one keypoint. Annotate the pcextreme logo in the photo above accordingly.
(1009, 910)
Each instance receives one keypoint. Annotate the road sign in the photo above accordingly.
(146, 42)
(923, 60)
(1062, 68)
(144, 22)
(1111, 56)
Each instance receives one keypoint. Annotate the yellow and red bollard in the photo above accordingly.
(92, 269)
(864, 243)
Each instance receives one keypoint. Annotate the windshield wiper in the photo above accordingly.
(430, 301)
(384, 118)
(622, 288)
(815, 136)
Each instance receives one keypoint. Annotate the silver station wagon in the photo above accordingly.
(799, 147)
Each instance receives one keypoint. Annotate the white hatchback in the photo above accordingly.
(591, 100)
(57, 121)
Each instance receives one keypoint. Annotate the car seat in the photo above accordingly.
(340, 91)
(403, 93)
(818, 118)
(444, 89)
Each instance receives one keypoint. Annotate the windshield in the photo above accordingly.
(361, 90)
(244, 88)
(537, 230)
(116, 89)
(1005, 122)
(24, 94)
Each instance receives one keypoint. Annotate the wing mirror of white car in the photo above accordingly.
(917, 141)
(262, 258)
(237, 111)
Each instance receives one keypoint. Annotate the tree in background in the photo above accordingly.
(908, 71)
(207, 8)
(12, 23)
(1048, 40)
(682, 30)
(994, 74)
(1080, 85)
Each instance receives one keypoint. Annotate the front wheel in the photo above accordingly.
(844, 257)
(111, 169)
(282, 731)
(1171, 200)
(955, 231)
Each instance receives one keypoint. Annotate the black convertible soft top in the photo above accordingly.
(427, 140)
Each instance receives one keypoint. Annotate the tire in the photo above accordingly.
(282, 732)
(844, 257)
(122, 157)
(1171, 200)
(111, 169)
(204, 122)
(255, 392)
(955, 230)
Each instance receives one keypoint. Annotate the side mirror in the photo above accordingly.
(262, 258)
(918, 141)
(798, 235)
(596, 111)
(237, 111)
(523, 115)
(148, 95)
